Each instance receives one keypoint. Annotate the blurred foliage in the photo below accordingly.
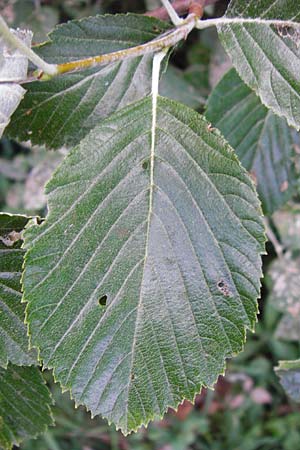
(248, 410)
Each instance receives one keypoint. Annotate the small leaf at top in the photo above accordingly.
(145, 275)
(267, 57)
(264, 143)
(13, 332)
(13, 68)
(63, 110)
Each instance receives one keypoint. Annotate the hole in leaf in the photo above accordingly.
(224, 288)
(103, 300)
(156, 29)
(145, 165)
(132, 376)
(10, 239)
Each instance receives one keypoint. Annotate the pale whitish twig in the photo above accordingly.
(273, 239)
(14, 41)
(172, 13)
(180, 6)
(168, 39)
(201, 24)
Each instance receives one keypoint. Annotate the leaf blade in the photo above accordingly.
(147, 264)
(289, 374)
(267, 58)
(24, 405)
(263, 142)
(13, 333)
(63, 110)
(13, 68)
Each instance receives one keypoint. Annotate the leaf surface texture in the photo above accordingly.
(24, 405)
(63, 110)
(267, 57)
(289, 374)
(264, 143)
(13, 332)
(13, 68)
(146, 272)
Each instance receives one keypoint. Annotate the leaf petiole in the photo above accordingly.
(202, 24)
(166, 40)
(14, 41)
(172, 13)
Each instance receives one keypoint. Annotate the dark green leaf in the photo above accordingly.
(62, 111)
(264, 142)
(174, 86)
(267, 57)
(13, 333)
(145, 274)
(24, 405)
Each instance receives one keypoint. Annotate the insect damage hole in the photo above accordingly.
(145, 165)
(102, 300)
(10, 239)
(224, 288)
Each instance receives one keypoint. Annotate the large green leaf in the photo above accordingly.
(24, 405)
(13, 333)
(146, 272)
(289, 374)
(62, 110)
(263, 142)
(267, 57)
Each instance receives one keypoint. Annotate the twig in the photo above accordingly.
(202, 24)
(15, 42)
(166, 40)
(176, 20)
(273, 239)
(180, 6)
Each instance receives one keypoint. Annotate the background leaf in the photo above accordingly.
(39, 18)
(289, 374)
(13, 333)
(267, 58)
(284, 273)
(13, 68)
(136, 291)
(175, 86)
(24, 405)
(287, 222)
(263, 142)
(62, 111)
(285, 281)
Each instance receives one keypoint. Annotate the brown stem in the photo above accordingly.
(181, 7)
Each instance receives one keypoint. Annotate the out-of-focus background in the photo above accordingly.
(248, 410)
